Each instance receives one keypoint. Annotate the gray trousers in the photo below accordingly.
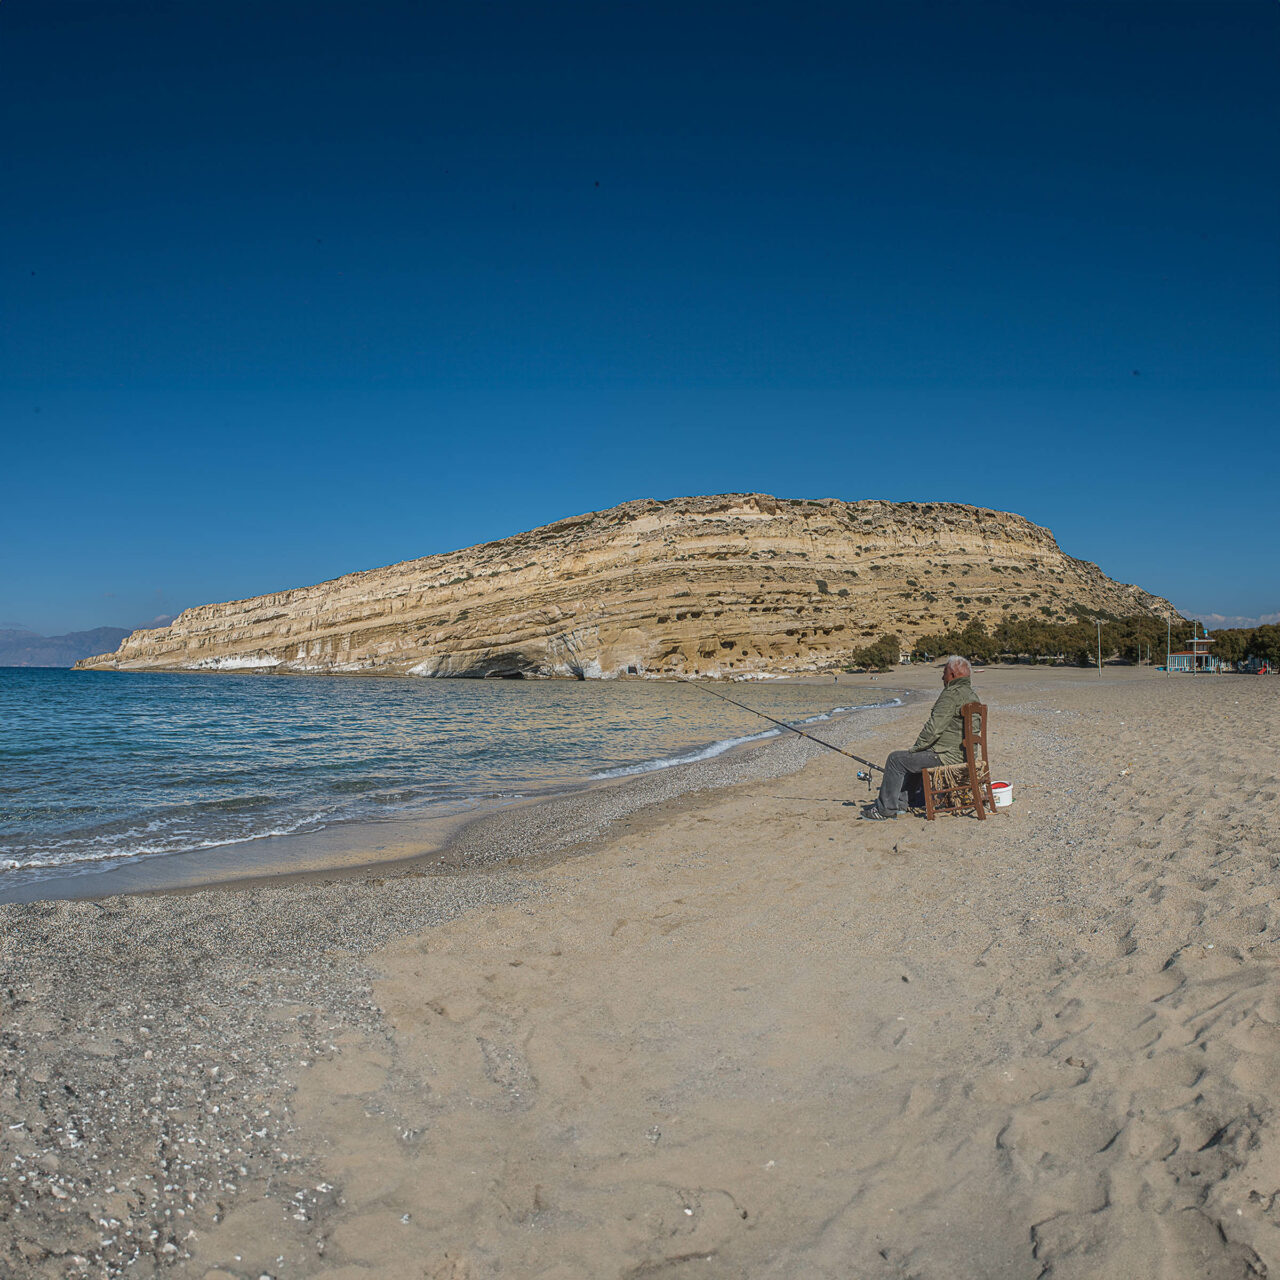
(897, 768)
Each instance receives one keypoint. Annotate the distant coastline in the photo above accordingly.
(22, 648)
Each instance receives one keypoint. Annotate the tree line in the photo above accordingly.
(1136, 638)
(1237, 643)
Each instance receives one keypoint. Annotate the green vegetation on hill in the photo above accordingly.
(1237, 643)
(1015, 637)
(880, 655)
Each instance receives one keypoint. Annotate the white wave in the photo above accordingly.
(706, 753)
(860, 706)
(140, 851)
(726, 744)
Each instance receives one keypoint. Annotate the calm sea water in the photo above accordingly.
(99, 768)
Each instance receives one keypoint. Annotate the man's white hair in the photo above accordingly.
(957, 666)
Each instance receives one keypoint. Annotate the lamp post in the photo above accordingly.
(1099, 646)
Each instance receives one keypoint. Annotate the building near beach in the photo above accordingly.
(1195, 659)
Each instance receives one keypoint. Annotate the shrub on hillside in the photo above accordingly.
(880, 655)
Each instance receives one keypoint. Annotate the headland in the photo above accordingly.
(726, 585)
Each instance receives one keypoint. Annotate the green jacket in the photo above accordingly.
(944, 732)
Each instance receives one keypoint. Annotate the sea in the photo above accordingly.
(102, 770)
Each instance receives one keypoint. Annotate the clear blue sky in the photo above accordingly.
(292, 289)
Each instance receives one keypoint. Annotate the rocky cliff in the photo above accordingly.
(734, 584)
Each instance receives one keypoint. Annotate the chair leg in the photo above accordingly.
(976, 791)
(928, 796)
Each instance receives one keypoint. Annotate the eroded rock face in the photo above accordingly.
(728, 585)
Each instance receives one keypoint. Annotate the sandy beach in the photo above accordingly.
(724, 1032)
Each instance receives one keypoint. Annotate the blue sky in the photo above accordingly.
(295, 289)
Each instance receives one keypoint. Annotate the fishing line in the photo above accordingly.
(831, 746)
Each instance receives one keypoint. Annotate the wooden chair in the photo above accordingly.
(956, 788)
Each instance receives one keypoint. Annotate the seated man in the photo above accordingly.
(941, 741)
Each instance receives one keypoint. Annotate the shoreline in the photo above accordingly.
(445, 842)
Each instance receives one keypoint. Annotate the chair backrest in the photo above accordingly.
(975, 730)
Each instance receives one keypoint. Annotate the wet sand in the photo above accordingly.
(731, 1032)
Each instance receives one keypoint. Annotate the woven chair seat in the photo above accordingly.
(944, 776)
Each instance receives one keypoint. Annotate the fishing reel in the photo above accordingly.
(864, 775)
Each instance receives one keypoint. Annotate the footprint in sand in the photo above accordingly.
(1024, 1079)
(1058, 1130)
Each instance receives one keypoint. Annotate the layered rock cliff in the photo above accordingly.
(733, 584)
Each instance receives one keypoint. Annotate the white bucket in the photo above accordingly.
(1003, 792)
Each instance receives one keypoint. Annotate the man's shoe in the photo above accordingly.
(872, 814)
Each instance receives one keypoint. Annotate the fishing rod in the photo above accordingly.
(831, 746)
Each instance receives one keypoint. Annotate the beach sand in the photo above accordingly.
(727, 1033)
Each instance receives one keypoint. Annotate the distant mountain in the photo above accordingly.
(21, 648)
